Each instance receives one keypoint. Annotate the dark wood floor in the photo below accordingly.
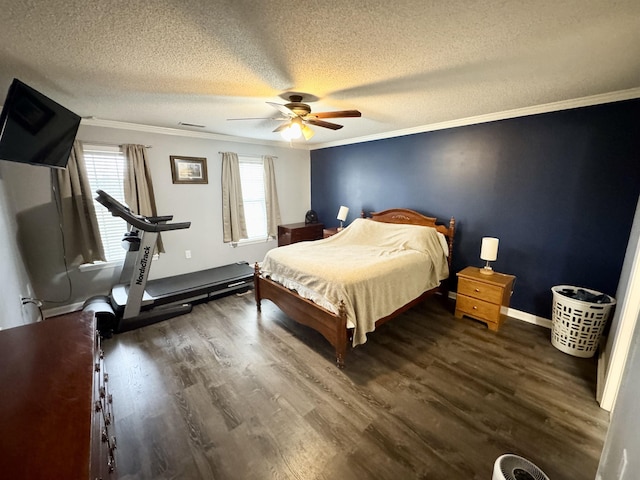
(225, 393)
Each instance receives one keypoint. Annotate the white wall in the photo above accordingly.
(200, 204)
(15, 282)
(620, 459)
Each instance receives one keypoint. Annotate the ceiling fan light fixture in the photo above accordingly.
(307, 132)
(293, 131)
(296, 117)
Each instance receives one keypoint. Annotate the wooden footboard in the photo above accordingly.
(331, 326)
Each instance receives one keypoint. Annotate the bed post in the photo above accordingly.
(444, 286)
(256, 285)
(343, 335)
(452, 230)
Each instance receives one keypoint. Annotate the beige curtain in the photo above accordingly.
(79, 224)
(138, 187)
(234, 226)
(271, 197)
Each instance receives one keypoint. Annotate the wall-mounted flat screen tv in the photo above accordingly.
(34, 129)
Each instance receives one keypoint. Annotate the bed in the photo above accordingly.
(348, 284)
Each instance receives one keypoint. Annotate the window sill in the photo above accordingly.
(252, 241)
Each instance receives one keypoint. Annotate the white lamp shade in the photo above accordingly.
(489, 250)
(292, 131)
(342, 213)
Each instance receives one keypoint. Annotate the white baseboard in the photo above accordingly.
(52, 312)
(529, 318)
(520, 315)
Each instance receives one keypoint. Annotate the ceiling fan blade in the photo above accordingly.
(284, 110)
(338, 114)
(307, 132)
(282, 126)
(259, 118)
(320, 123)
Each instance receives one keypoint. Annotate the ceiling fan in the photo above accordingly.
(297, 117)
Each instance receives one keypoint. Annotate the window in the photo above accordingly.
(105, 170)
(255, 211)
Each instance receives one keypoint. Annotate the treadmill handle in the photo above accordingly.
(164, 218)
(139, 221)
(161, 227)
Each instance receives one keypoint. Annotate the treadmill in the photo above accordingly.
(137, 301)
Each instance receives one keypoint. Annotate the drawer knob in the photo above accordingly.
(111, 464)
(475, 308)
(477, 290)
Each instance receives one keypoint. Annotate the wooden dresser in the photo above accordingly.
(299, 232)
(484, 297)
(329, 232)
(56, 419)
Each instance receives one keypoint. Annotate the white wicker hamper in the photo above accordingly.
(577, 325)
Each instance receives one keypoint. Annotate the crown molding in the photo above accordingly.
(603, 98)
(138, 127)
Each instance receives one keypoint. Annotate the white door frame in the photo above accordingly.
(614, 356)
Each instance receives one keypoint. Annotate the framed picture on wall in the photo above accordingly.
(188, 169)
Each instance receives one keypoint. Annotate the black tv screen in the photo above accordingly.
(34, 129)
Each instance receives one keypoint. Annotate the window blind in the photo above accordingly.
(105, 170)
(255, 212)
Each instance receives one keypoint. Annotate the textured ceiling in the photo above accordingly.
(403, 64)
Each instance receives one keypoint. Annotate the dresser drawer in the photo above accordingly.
(103, 441)
(488, 293)
(477, 308)
(311, 232)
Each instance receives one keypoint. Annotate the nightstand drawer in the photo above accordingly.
(488, 293)
(477, 308)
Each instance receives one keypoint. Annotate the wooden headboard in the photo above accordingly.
(411, 217)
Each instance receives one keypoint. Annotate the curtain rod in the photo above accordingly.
(105, 144)
(250, 155)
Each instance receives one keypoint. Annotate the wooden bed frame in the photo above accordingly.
(334, 327)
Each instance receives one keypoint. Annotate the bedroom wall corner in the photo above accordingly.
(16, 282)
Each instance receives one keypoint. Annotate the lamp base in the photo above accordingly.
(486, 270)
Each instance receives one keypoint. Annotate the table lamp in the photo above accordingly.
(489, 253)
(342, 215)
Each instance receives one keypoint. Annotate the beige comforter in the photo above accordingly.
(374, 267)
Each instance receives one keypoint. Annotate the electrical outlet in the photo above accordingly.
(187, 254)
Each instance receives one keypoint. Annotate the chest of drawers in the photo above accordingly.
(484, 297)
(299, 232)
(55, 410)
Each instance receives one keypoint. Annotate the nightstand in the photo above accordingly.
(329, 232)
(484, 297)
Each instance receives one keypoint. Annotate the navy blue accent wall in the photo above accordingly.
(559, 190)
